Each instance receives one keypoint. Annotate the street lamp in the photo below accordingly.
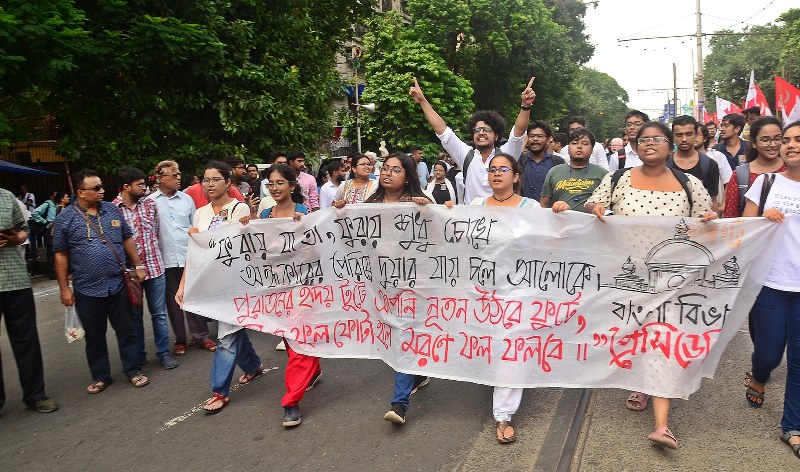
(370, 107)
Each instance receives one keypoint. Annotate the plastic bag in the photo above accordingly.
(73, 329)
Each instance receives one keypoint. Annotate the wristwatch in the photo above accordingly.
(526, 107)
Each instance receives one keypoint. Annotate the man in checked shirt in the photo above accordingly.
(141, 214)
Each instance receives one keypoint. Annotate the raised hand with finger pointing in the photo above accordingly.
(528, 96)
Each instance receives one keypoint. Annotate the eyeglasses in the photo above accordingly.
(277, 183)
(396, 170)
(634, 124)
(536, 136)
(652, 139)
(484, 129)
(176, 175)
(496, 169)
(96, 188)
(767, 140)
(212, 180)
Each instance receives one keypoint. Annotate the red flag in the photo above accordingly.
(755, 98)
(707, 117)
(787, 100)
(724, 107)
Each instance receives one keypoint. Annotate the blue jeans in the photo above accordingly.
(776, 319)
(232, 350)
(403, 385)
(156, 303)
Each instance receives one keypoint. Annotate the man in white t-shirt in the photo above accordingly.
(627, 157)
(598, 157)
(328, 191)
(486, 128)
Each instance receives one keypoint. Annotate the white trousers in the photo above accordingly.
(505, 402)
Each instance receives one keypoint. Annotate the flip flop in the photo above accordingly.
(502, 432)
(97, 386)
(139, 380)
(247, 378)
(663, 437)
(786, 436)
(754, 392)
(215, 397)
(637, 401)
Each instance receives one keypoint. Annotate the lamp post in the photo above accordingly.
(370, 107)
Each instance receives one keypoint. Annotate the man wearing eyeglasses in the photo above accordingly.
(175, 214)
(627, 156)
(141, 214)
(486, 127)
(734, 149)
(98, 292)
(536, 161)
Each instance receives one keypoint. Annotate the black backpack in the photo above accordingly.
(705, 163)
(743, 182)
(468, 161)
(682, 178)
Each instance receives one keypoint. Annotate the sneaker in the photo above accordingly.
(44, 405)
(291, 416)
(396, 415)
(313, 382)
(419, 382)
(168, 362)
(281, 346)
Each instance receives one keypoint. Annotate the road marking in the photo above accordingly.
(199, 407)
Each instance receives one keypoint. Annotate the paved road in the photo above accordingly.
(449, 424)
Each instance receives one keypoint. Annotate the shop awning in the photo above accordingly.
(7, 166)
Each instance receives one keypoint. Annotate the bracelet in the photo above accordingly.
(140, 267)
(526, 107)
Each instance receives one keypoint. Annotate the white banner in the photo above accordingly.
(516, 297)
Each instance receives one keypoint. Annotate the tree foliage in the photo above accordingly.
(790, 59)
(393, 56)
(726, 70)
(601, 100)
(198, 79)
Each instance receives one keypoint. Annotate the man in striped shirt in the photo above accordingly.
(141, 214)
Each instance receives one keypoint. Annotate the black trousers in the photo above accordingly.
(19, 310)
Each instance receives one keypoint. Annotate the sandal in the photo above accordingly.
(97, 386)
(503, 436)
(247, 378)
(755, 391)
(663, 437)
(637, 401)
(139, 380)
(786, 436)
(215, 397)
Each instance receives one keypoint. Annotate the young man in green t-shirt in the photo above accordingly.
(568, 186)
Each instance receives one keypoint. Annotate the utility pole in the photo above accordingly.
(699, 35)
(675, 89)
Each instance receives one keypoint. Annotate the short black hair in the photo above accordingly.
(274, 155)
(711, 123)
(582, 133)
(234, 161)
(128, 175)
(636, 113)
(735, 119)
(414, 149)
(295, 155)
(491, 118)
(752, 110)
(706, 135)
(561, 138)
(80, 176)
(333, 166)
(577, 119)
(684, 120)
(543, 126)
(251, 165)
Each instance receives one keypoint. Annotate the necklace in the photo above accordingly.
(498, 200)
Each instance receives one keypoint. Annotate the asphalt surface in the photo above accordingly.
(449, 424)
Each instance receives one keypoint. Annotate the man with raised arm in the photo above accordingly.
(486, 127)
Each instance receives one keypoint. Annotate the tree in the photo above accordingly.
(198, 80)
(601, 100)
(570, 14)
(727, 69)
(790, 62)
(393, 56)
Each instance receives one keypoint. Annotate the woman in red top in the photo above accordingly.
(763, 157)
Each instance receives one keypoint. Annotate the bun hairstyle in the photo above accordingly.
(290, 175)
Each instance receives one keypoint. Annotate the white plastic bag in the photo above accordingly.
(73, 329)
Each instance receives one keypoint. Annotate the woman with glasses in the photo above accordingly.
(399, 183)
(360, 187)
(234, 346)
(776, 312)
(505, 178)
(440, 188)
(652, 189)
(763, 156)
(302, 371)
